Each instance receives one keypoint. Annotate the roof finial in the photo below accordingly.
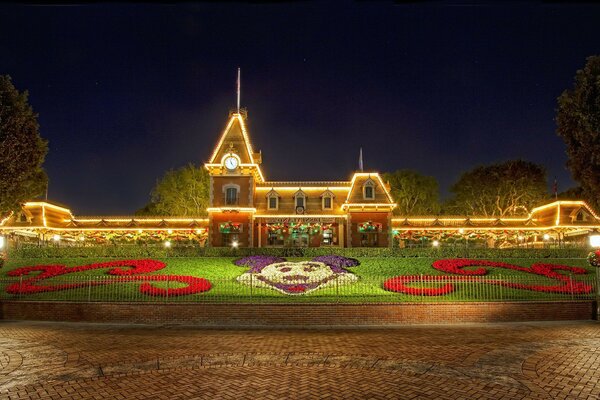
(238, 89)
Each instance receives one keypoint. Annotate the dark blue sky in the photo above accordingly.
(126, 92)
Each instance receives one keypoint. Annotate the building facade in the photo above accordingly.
(247, 210)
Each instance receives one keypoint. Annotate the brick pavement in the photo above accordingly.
(502, 361)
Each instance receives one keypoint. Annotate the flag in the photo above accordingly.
(360, 161)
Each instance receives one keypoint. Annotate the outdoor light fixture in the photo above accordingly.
(167, 243)
(56, 238)
(82, 238)
(2, 244)
(198, 231)
(595, 239)
(170, 231)
(461, 231)
(435, 243)
(546, 236)
(234, 244)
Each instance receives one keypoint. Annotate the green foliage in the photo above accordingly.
(222, 274)
(22, 150)
(414, 193)
(578, 123)
(183, 192)
(503, 189)
(134, 251)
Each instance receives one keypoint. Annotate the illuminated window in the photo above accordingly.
(327, 203)
(231, 196)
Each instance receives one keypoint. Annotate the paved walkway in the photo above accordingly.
(508, 361)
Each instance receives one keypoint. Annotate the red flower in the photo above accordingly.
(135, 267)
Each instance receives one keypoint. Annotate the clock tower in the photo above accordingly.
(234, 170)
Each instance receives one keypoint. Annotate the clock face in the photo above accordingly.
(231, 163)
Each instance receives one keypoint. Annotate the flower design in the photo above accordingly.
(296, 278)
(594, 258)
(127, 270)
(455, 266)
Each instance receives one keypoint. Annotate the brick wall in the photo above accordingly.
(298, 314)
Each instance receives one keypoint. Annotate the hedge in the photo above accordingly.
(161, 252)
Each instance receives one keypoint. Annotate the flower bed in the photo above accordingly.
(131, 274)
(295, 278)
(456, 266)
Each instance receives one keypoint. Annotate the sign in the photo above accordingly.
(306, 220)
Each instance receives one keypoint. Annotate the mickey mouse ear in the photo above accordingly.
(337, 261)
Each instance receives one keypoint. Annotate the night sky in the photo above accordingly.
(126, 92)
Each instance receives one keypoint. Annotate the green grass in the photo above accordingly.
(222, 273)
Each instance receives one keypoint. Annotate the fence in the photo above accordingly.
(416, 288)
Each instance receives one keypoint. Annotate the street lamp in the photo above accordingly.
(595, 239)
(235, 244)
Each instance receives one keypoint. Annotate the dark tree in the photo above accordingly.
(578, 123)
(22, 150)
(181, 192)
(499, 190)
(414, 193)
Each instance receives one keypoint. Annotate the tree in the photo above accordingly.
(414, 193)
(578, 123)
(182, 192)
(22, 150)
(500, 190)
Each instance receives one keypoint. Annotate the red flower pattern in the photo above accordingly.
(456, 266)
(130, 274)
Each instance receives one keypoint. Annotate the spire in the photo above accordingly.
(360, 161)
(238, 89)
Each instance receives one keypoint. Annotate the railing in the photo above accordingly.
(364, 290)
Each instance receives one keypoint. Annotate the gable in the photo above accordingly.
(356, 194)
(235, 139)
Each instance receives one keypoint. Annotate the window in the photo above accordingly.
(369, 192)
(231, 196)
(579, 216)
(327, 203)
(300, 199)
(273, 202)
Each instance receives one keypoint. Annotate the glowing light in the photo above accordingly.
(371, 175)
(235, 244)
(239, 209)
(6, 219)
(44, 204)
(167, 243)
(595, 240)
(521, 237)
(461, 231)
(82, 238)
(435, 243)
(170, 231)
(546, 236)
(198, 231)
(56, 238)
(2, 242)
(367, 205)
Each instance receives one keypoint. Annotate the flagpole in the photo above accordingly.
(238, 89)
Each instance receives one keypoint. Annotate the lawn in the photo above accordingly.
(222, 274)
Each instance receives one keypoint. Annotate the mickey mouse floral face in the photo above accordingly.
(295, 278)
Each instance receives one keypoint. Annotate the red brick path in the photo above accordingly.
(502, 361)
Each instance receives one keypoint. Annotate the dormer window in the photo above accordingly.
(272, 200)
(300, 199)
(327, 200)
(580, 217)
(369, 190)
